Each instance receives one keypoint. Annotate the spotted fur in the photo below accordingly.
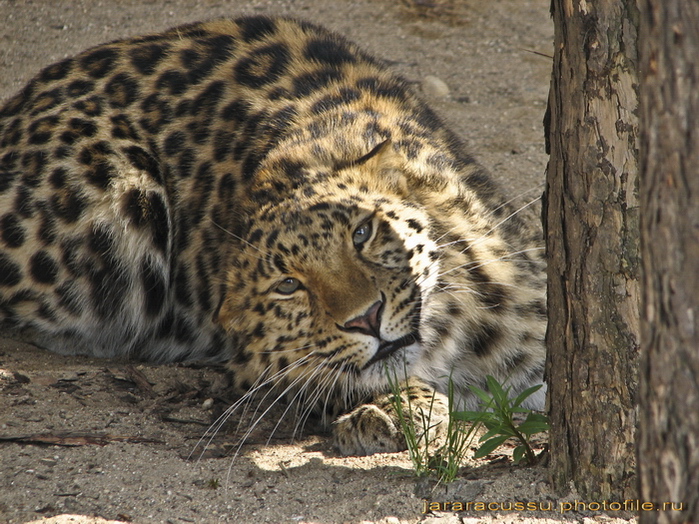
(262, 191)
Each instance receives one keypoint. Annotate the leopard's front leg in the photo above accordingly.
(376, 427)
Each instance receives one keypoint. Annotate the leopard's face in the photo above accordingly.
(328, 290)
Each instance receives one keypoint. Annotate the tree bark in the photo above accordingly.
(668, 448)
(591, 221)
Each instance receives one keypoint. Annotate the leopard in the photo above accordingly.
(261, 192)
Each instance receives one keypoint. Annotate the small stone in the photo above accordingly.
(207, 404)
(435, 87)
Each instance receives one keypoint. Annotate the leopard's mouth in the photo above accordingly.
(388, 348)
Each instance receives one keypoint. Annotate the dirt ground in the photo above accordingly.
(83, 440)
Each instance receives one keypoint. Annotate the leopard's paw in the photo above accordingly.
(378, 427)
(367, 430)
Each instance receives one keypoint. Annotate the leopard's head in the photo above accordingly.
(328, 288)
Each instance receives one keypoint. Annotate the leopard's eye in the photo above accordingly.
(288, 286)
(362, 233)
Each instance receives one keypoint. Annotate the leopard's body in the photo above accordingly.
(261, 191)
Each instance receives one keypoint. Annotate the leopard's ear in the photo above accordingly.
(379, 151)
(387, 167)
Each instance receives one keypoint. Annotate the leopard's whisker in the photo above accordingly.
(262, 381)
(491, 213)
(495, 226)
(471, 265)
(519, 196)
(238, 237)
(299, 394)
(290, 387)
(311, 401)
(473, 242)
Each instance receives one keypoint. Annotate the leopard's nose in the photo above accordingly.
(369, 323)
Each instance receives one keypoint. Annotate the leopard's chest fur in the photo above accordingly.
(183, 196)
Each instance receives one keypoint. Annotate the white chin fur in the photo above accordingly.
(402, 362)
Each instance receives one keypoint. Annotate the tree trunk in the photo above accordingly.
(591, 220)
(668, 450)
